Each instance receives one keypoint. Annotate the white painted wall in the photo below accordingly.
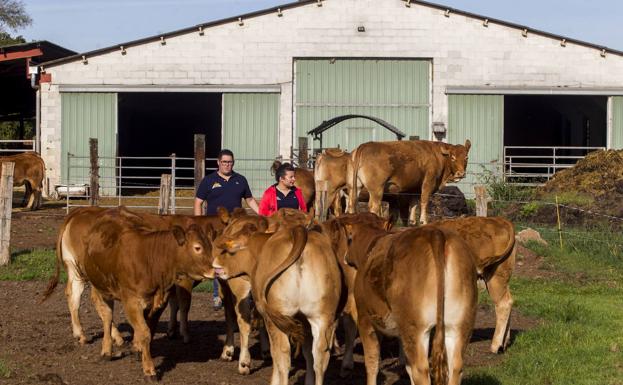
(262, 51)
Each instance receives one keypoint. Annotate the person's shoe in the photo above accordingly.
(218, 303)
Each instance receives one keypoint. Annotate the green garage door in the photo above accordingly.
(250, 130)
(397, 91)
(617, 123)
(84, 116)
(479, 118)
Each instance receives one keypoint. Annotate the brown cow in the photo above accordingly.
(293, 274)
(418, 166)
(138, 268)
(492, 242)
(333, 165)
(396, 276)
(29, 171)
(304, 181)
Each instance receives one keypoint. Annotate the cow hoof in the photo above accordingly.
(151, 378)
(228, 353)
(497, 349)
(84, 340)
(106, 357)
(244, 368)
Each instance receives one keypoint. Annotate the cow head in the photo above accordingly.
(195, 254)
(456, 160)
(231, 254)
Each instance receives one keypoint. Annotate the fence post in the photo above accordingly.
(95, 183)
(303, 156)
(120, 179)
(481, 201)
(6, 205)
(200, 159)
(322, 186)
(165, 194)
(173, 183)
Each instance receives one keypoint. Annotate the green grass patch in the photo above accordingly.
(30, 265)
(5, 371)
(204, 287)
(582, 310)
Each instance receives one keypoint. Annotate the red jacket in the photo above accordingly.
(268, 204)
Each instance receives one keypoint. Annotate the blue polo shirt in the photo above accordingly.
(220, 192)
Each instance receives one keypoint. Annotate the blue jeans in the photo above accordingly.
(215, 288)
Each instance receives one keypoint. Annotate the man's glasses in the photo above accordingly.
(226, 161)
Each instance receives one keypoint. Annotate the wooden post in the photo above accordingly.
(322, 186)
(384, 210)
(481, 201)
(95, 176)
(165, 194)
(200, 159)
(6, 205)
(303, 156)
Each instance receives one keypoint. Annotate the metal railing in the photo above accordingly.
(16, 146)
(134, 182)
(537, 164)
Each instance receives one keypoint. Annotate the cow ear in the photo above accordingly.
(249, 228)
(209, 232)
(179, 234)
(223, 214)
(468, 144)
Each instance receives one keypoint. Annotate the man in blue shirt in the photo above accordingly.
(225, 188)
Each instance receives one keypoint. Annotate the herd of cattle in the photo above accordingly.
(302, 275)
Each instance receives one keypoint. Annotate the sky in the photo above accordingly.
(86, 25)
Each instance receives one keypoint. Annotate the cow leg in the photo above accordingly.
(414, 349)
(183, 293)
(229, 304)
(27, 193)
(310, 375)
(323, 331)
(31, 199)
(374, 204)
(264, 344)
(427, 188)
(105, 311)
(174, 306)
(142, 335)
(280, 351)
(497, 286)
(371, 349)
(456, 340)
(350, 333)
(73, 292)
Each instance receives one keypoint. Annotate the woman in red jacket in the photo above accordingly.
(283, 193)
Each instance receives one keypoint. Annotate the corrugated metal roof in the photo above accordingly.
(246, 16)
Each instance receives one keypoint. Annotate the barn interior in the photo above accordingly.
(153, 124)
(554, 120)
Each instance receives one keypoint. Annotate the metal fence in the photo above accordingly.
(537, 164)
(8, 147)
(135, 181)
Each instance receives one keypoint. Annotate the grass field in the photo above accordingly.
(580, 303)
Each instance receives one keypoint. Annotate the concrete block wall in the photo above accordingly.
(262, 52)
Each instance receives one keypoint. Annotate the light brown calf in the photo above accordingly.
(293, 275)
(29, 172)
(333, 166)
(138, 268)
(406, 284)
(418, 166)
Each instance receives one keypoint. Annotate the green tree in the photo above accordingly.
(12, 17)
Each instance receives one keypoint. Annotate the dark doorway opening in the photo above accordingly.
(532, 121)
(161, 124)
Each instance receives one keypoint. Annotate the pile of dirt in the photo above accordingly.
(599, 173)
(595, 183)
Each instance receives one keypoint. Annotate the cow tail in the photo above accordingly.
(439, 359)
(59, 260)
(354, 194)
(289, 325)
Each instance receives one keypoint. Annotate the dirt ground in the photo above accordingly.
(38, 347)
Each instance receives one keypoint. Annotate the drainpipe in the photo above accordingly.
(33, 71)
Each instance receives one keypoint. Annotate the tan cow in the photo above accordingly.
(492, 242)
(417, 166)
(29, 172)
(293, 274)
(406, 284)
(334, 166)
(138, 268)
